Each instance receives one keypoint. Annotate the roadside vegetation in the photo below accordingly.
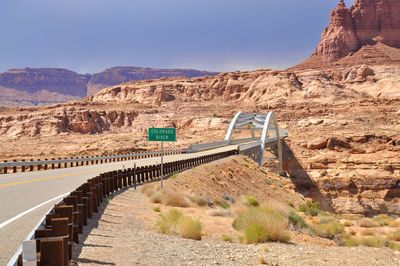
(249, 220)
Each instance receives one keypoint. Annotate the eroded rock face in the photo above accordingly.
(43, 86)
(366, 22)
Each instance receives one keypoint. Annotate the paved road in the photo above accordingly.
(20, 192)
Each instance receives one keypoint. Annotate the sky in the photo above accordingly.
(88, 36)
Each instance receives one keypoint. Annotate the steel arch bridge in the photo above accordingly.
(270, 140)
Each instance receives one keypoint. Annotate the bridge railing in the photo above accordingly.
(53, 163)
(213, 145)
(53, 237)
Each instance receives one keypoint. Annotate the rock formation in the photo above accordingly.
(118, 75)
(366, 22)
(39, 86)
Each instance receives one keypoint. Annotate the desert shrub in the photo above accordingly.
(156, 197)
(372, 242)
(175, 199)
(351, 242)
(148, 189)
(227, 238)
(252, 201)
(157, 209)
(167, 224)
(326, 220)
(329, 230)
(383, 219)
(282, 208)
(368, 232)
(355, 217)
(189, 228)
(367, 223)
(393, 245)
(220, 212)
(347, 223)
(262, 224)
(297, 220)
(176, 223)
(199, 200)
(290, 203)
(394, 236)
(241, 239)
(222, 203)
(310, 208)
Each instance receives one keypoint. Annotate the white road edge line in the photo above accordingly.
(30, 210)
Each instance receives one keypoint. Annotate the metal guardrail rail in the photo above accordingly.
(213, 145)
(88, 159)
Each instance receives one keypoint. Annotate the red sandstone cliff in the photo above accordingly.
(366, 33)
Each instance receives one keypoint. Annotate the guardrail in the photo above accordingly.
(213, 145)
(50, 243)
(45, 164)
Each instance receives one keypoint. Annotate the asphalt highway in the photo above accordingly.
(26, 197)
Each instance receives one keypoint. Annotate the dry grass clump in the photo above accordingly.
(372, 242)
(347, 223)
(157, 209)
(156, 197)
(220, 212)
(351, 242)
(252, 201)
(367, 223)
(368, 232)
(174, 199)
(222, 203)
(227, 238)
(199, 200)
(282, 208)
(383, 219)
(148, 189)
(262, 224)
(167, 224)
(329, 229)
(176, 223)
(395, 236)
(189, 228)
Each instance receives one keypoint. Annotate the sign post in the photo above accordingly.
(162, 134)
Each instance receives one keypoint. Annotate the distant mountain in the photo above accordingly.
(117, 75)
(41, 86)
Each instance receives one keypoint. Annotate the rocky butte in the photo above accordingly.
(366, 33)
(342, 106)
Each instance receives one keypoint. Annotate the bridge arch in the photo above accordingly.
(270, 139)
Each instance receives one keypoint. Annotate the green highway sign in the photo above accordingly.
(162, 134)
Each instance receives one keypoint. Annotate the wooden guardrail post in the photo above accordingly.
(52, 164)
(129, 176)
(52, 252)
(14, 167)
(125, 176)
(82, 208)
(39, 166)
(5, 168)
